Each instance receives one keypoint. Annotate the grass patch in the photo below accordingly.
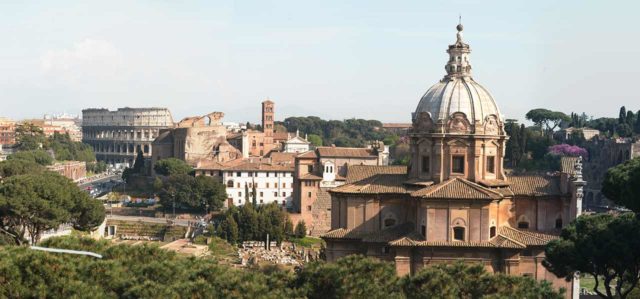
(220, 248)
(307, 241)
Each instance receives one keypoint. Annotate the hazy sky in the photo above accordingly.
(334, 59)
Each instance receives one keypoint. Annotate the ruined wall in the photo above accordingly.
(604, 154)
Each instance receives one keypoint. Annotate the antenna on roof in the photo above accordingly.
(459, 18)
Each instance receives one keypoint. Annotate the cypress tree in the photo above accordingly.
(622, 117)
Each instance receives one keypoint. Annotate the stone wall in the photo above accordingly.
(604, 154)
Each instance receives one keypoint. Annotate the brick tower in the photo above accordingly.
(267, 124)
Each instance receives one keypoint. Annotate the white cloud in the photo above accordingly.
(87, 60)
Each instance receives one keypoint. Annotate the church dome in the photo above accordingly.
(458, 97)
(453, 95)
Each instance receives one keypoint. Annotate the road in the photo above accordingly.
(180, 222)
(98, 181)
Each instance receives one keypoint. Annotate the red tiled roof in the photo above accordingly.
(526, 237)
(311, 176)
(567, 164)
(365, 179)
(280, 157)
(357, 173)
(535, 185)
(309, 154)
(347, 152)
(457, 188)
(405, 235)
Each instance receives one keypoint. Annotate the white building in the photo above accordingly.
(271, 182)
(296, 144)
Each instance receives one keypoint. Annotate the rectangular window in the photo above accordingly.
(267, 185)
(239, 174)
(309, 194)
(284, 185)
(261, 195)
(425, 164)
(309, 168)
(275, 193)
(284, 194)
(457, 164)
(491, 164)
(458, 233)
(239, 194)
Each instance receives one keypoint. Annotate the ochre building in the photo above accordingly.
(455, 200)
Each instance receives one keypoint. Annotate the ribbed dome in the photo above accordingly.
(458, 104)
(458, 94)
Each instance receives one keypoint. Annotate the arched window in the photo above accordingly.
(523, 222)
(559, 223)
(389, 222)
(230, 183)
(492, 232)
(458, 233)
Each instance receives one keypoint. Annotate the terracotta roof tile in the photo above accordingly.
(310, 176)
(357, 173)
(244, 165)
(364, 179)
(352, 152)
(567, 164)
(383, 236)
(529, 238)
(309, 154)
(280, 157)
(457, 188)
(405, 235)
(535, 185)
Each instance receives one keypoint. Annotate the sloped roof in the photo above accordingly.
(383, 236)
(252, 166)
(311, 176)
(405, 235)
(535, 185)
(297, 139)
(346, 152)
(281, 157)
(365, 179)
(357, 173)
(309, 154)
(457, 188)
(526, 237)
(567, 165)
(281, 135)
